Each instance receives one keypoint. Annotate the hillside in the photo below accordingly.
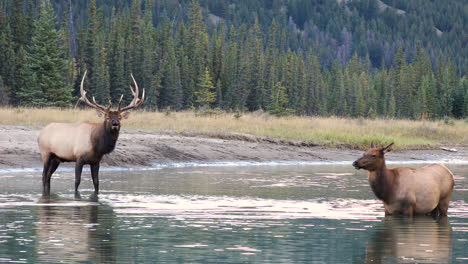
(368, 58)
(374, 28)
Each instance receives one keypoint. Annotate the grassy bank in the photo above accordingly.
(327, 131)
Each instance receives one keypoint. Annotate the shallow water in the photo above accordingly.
(222, 214)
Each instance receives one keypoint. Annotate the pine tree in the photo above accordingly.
(171, 89)
(4, 94)
(197, 47)
(116, 62)
(279, 101)
(45, 80)
(314, 98)
(205, 94)
(336, 88)
(271, 77)
(421, 104)
(92, 57)
(7, 58)
(219, 94)
(230, 73)
(19, 26)
(464, 85)
(256, 58)
(150, 50)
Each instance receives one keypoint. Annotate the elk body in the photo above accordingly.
(405, 190)
(83, 142)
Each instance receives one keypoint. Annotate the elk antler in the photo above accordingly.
(85, 99)
(136, 102)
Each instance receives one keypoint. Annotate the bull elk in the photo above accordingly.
(83, 142)
(404, 190)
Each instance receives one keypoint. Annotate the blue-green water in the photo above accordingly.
(248, 214)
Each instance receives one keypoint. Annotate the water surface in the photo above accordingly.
(222, 214)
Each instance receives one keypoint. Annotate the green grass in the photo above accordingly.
(326, 131)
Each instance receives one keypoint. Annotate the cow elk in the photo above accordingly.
(405, 190)
(83, 142)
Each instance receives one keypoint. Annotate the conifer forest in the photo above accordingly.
(352, 58)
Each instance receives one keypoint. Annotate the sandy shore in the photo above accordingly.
(136, 148)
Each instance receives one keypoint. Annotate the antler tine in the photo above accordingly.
(101, 106)
(85, 99)
(120, 101)
(136, 102)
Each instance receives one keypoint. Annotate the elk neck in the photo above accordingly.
(383, 182)
(104, 139)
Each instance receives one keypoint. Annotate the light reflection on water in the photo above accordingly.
(302, 214)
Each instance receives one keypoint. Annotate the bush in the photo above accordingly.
(208, 112)
(449, 121)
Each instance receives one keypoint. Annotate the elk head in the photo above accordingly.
(373, 158)
(112, 117)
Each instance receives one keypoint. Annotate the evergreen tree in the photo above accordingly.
(92, 57)
(45, 84)
(197, 47)
(171, 89)
(4, 94)
(279, 101)
(19, 26)
(219, 94)
(464, 85)
(116, 62)
(7, 59)
(150, 50)
(205, 95)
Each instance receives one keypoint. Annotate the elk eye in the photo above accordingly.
(373, 156)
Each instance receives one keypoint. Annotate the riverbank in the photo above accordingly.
(332, 132)
(143, 148)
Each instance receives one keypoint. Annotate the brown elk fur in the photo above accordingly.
(82, 142)
(405, 190)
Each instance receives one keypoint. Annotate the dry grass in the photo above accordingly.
(327, 131)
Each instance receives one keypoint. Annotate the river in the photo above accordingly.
(222, 213)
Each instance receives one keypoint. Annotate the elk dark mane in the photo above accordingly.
(104, 140)
(383, 187)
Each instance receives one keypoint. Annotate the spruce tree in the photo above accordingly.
(464, 85)
(116, 63)
(197, 46)
(45, 83)
(7, 59)
(279, 101)
(4, 94)
(171, 89)
(205, 95)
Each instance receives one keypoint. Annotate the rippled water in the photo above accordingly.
(222, 214)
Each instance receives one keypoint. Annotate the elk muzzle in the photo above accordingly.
(356, 165)
(115, 124)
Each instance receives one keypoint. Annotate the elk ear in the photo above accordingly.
(387, 148)
(372, 145)
(124, 115)
(99, 113)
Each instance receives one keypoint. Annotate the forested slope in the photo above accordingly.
(369, 58)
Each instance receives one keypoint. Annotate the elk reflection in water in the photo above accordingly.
(422, 239)
(73, 230)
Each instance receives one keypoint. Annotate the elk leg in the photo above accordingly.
(95, 176)
(407, 207)
(409, 210)
(53, 165)
(443, 205)
(78, 169)
(45, 183)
